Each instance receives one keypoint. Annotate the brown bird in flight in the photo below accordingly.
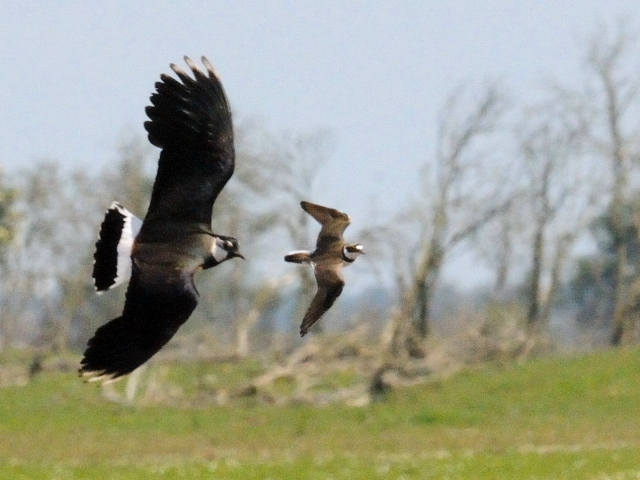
(331, 254)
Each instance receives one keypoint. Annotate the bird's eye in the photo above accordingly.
(228, 244)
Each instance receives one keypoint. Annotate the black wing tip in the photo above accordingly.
(306, 326)
(195, 68)
(310, 319)
(189, 110)
(333, 212)
(306, 206)
(97, 365)
(104, 377)
(112, 352)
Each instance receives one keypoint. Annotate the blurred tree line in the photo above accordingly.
(546, 195)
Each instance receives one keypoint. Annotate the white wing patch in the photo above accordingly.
(132, 225)
(120, 235)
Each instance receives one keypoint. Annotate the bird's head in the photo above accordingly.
(227, 247)
(351, 251)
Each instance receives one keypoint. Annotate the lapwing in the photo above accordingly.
(190, 121)
(331, 254)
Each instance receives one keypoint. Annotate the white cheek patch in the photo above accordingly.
(350, 255)
(218, 251)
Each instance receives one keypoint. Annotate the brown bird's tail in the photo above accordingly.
(301, 256)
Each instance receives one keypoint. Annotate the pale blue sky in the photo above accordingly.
(76, 75)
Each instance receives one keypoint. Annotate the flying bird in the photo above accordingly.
(190, 121)
(331, 254)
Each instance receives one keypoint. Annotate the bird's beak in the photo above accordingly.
(238, 254)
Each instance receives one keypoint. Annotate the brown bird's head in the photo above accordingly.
(351, 251)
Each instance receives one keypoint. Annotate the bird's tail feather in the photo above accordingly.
(299, 256)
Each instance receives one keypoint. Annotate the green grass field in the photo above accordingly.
(560, 418)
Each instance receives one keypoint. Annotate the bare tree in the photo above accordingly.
(46, 283)
(8, 226)
(462, 192)
(498, 247)
(614, 96)
(8, 215)
(50, 247)
(553, 199)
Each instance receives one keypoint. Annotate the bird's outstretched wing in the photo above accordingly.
(330, 284)
(159, 299)
(334, 222)
(190, 120)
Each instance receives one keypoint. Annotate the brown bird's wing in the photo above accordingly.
(330, 284)
(160, 298)
(334, 222)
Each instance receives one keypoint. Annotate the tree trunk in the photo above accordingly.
(622, 327)
(533, 312)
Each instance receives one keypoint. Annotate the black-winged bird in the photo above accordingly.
(190, 120)
(332, 253)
